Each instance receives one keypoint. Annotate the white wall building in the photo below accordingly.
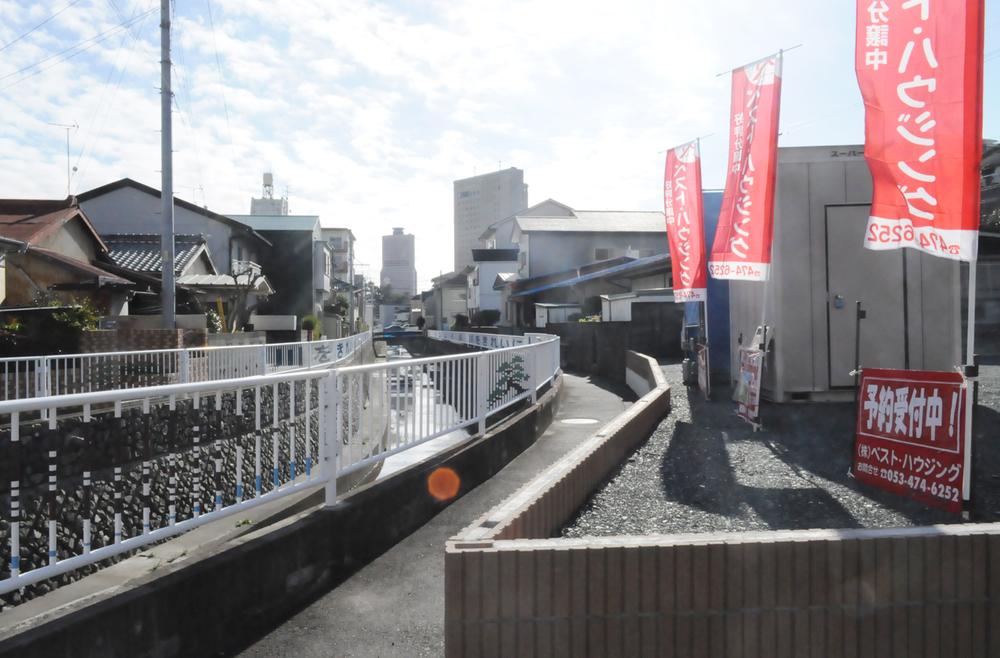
(488, 263)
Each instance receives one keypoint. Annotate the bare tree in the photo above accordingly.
(247, 277)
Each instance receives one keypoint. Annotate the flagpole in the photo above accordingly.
(704, 303)
(696, 139)
(767, 280)
(758, 61)
(971, 376)
(970, 335)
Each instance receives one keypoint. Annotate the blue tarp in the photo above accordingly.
(718, 295)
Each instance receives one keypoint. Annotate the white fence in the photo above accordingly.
(65, 374)
(157, 461)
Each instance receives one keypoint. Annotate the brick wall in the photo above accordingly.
(127, 340)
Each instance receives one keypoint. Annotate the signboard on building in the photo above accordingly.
(742, 245)
(911, 437)
(748, 386)
(920, 68)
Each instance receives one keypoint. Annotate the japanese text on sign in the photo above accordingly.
(910, 435)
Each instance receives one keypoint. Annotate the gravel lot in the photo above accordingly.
(704, 470)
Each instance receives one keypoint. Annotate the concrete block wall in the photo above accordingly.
(485, 582)
(512, 589)
(599, 348)
(914, 592)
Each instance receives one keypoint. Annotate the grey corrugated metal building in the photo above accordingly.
(820, 268)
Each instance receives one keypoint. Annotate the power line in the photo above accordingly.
(11, 43)
(93, 135)
(72, 50)
(186, 90)
(222, 90)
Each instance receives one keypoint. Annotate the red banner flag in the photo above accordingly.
(919, 66)
(911, 436)
(682, 207)
(742, 247)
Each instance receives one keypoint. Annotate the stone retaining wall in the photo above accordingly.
(165, 437)
(206, 605)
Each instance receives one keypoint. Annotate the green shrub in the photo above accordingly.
(213, 322)
(310, 324)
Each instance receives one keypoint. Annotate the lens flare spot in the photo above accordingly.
(443, 483)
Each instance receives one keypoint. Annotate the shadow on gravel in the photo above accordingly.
(798, 509)
(704, 470)
(812, 440)
(696, 471)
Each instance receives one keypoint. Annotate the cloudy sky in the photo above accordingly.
(367, 111)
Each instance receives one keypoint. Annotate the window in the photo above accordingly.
(602, 254)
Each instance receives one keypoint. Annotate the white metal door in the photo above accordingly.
(873, 277)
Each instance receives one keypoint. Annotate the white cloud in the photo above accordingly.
(367, 111)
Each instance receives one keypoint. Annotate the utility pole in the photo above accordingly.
(352, 326)
(68, 127)
(167, 179)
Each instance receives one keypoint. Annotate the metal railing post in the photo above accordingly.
(185, 367)
(331, 436)
(482, 392)
(532, 354)
(43, 374)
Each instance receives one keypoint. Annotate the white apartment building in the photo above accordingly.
(481, 201)
(399, 263)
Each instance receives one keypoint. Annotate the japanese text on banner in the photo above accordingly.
(682, 208)
(742, 245)
(919, 66)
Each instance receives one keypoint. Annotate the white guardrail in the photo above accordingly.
(64, 374)
(96, 474)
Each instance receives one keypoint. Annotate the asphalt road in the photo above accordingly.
(395, 605)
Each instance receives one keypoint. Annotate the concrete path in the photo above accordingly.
(395, 605)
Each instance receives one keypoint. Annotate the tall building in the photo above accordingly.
(398, 263)
(482, 200)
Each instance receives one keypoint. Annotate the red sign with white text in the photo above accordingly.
(682, 207)
(920, 68)
(911, 437)
(742, 247)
